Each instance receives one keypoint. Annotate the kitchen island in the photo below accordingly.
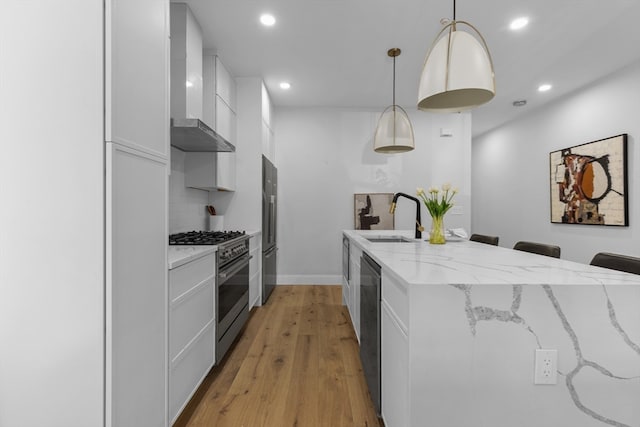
(460, 324)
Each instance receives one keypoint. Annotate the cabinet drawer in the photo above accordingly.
(188, 315)
(185, 277)
(188, 372)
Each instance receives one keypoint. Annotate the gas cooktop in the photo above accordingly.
(204, 237)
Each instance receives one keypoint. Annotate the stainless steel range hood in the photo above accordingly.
(188, 131)
(195, 135)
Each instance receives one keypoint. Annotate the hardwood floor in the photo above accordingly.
(296, 364)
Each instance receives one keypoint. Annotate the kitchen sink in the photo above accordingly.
(390, 239)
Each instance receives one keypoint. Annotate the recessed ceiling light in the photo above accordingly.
(285, 85)
(519, 23)
(267, 20)
(544, 87)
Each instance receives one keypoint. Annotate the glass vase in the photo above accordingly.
(436, 236)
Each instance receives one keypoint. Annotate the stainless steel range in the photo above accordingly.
(232, 281)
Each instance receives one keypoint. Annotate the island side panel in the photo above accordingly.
(472, 355)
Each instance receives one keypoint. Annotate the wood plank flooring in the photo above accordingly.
(297, 363)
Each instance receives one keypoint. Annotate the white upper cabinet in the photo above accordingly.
(186, 64)
(267, 112)
(268, 140)
(209, 90)
(210, 171)
(225, 121)
(225, 85)
(137, 74)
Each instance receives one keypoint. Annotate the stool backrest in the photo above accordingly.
(489, 240)
(538, 248)
(618, 262)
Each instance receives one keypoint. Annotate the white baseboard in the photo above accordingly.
(319, 279)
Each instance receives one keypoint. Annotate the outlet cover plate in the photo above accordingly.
(545, 367)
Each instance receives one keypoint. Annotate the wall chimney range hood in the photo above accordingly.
(188, 131)
(195, 135)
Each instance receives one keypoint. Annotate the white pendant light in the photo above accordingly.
(394, 133)
(458, 71)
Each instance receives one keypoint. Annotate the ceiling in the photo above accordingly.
(334, 52)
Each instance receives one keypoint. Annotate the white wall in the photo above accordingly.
(187, 206)
(511, 169)
(324, 156)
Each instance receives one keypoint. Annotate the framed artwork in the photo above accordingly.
(589, 183)
(371, 211)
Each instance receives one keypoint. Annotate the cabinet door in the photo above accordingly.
(191, 329)
(210, 171)
(395, 370)
(225, 121)
(226, 171)
(266, 106)
(255, 271)
(209, 90)
(200, 170)
(136, 289)
(137, 75)
(354, 300)
(225, 85)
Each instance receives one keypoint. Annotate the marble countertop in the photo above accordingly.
(464, 262)
(180, 255)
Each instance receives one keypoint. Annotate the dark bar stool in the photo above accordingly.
(538, 248)
(618, 262)
(489, 240)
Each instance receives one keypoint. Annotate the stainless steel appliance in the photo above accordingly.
(232, 281)
(370, 326)
(232, 292)
(269, 232)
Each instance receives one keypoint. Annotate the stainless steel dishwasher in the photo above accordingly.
(370, 326)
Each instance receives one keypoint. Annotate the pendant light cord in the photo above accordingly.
(454, 10)
(394, 80)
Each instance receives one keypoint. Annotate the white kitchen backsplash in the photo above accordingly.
(187, 206)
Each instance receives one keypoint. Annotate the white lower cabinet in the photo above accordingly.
(255, 271)
(136, 293)
(354, 286)
(395, 370)
(191, 329)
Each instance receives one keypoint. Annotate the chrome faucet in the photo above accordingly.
(419, 228)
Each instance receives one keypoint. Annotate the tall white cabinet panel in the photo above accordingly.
(137, 74)
(136, 294)
(255, 270)
(52, 292)
(87, 325)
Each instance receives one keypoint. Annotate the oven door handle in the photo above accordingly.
(237, 266)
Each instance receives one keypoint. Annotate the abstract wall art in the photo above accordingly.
(371, 211)
(589, 183)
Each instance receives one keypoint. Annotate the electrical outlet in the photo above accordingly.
(546, 367)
